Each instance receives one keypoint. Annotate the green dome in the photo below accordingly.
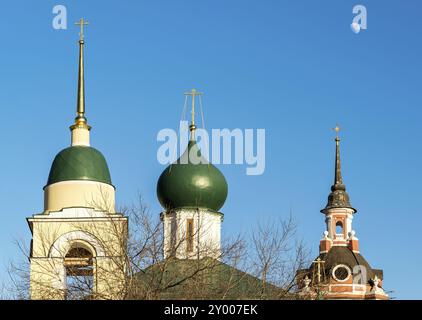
(79, 163)
(192, 184)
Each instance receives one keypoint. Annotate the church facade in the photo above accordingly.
(80, 241)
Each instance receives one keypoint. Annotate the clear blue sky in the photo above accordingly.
(293, 68)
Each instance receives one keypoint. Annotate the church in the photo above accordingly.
(79, 242)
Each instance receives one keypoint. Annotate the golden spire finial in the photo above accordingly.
(82, 22)
(193, 93)
(337, 130)
(80, 120)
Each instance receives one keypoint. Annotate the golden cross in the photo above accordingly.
(81, 23)
(193, 93)
(319, 262)
(337, 130)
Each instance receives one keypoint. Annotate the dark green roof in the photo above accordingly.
(205, 278)
(192, 182)
(79, 163)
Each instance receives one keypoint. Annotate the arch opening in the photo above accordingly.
(339, 228)
(79, 268)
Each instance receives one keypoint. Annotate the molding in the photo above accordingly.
(76, 212)
(62, 244)
(78, 182)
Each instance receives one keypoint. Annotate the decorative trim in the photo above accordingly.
(62, 244)
(78, 181)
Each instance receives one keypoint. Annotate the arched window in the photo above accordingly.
(339, 228)
(78, 264)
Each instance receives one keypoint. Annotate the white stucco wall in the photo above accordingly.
(207, 233)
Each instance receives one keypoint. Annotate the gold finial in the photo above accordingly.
(81, 23)
(193, 93)
(337, 130)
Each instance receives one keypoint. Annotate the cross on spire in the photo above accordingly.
(337, 130)
(82, 22)
(193, 93)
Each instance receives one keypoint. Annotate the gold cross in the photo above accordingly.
(81, 23)
(319, 263)
(337, 130)
(193, 93)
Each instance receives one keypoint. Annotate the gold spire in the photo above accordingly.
(338, 179)
(80, 120)
(193, 93)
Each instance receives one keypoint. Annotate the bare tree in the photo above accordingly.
(263, 268)
(276, 256)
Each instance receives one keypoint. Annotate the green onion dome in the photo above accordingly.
(192, 182)
(79, 163)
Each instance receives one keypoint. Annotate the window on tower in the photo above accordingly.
(341, 272)
(189, 235)
(339, 228)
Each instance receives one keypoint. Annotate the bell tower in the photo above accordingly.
(78, 241)
(338, 211)
(340, 271)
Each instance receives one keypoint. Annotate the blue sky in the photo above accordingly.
(294, 68)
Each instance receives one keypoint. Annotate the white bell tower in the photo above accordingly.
(78, 241)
